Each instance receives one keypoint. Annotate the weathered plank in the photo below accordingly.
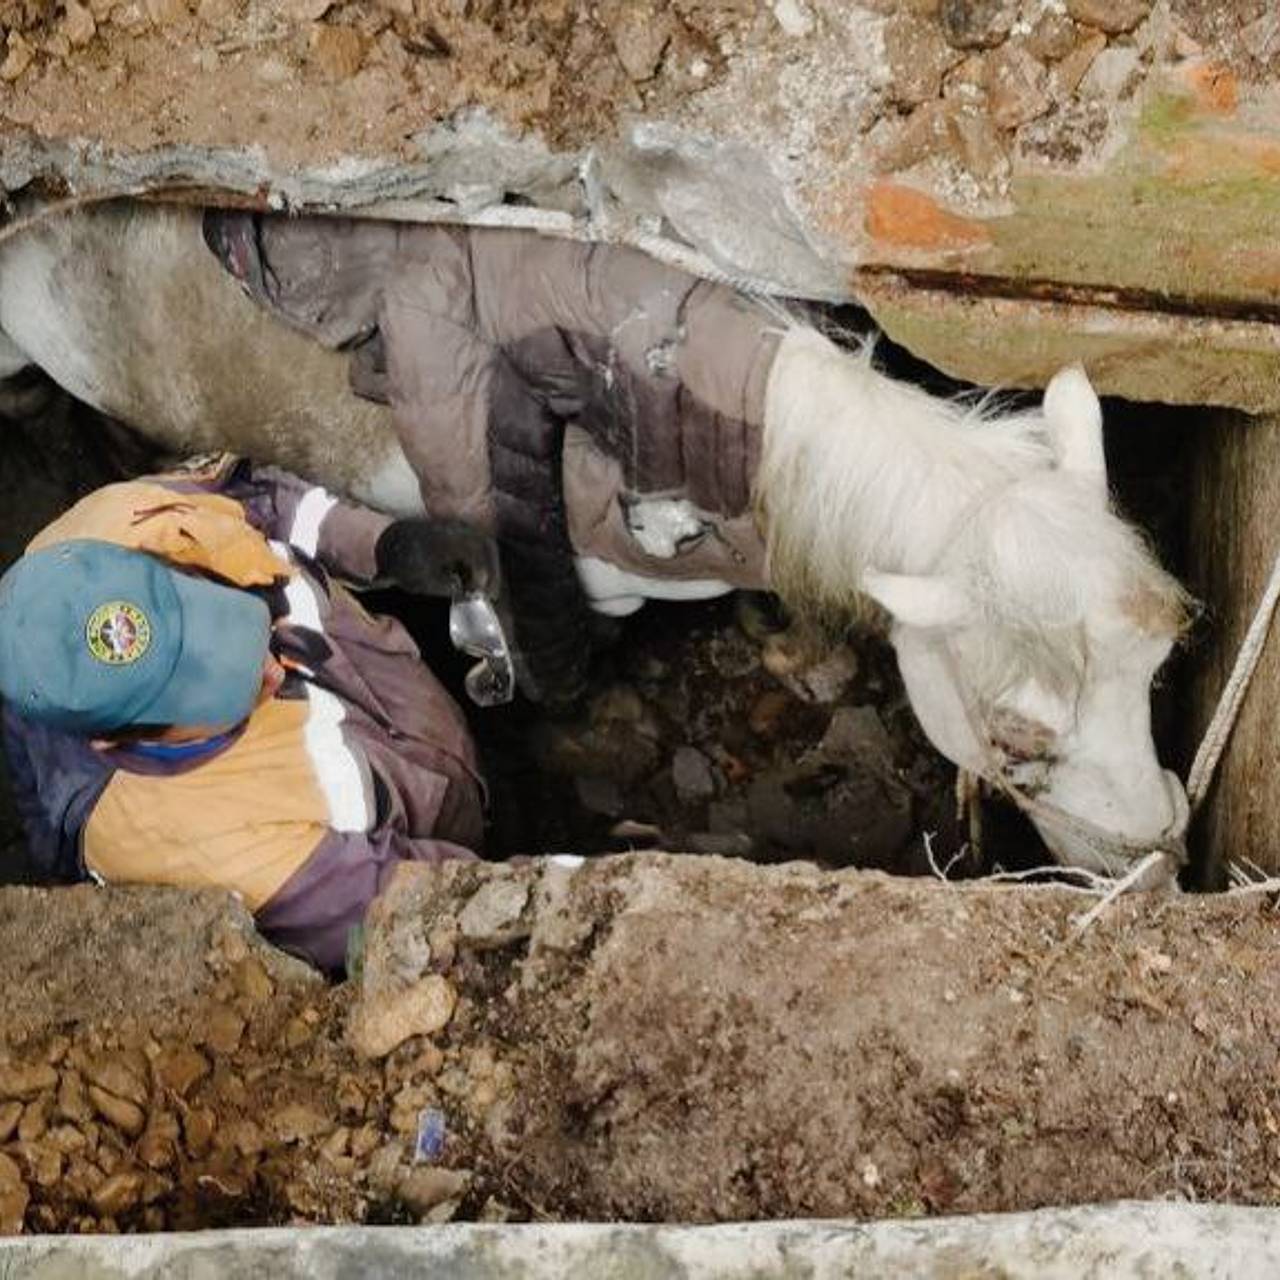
(1234, 515)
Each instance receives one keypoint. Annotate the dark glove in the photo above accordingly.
(437, 557)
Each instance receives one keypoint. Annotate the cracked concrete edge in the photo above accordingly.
(719, 208)
(721, 200)
(1145, 355)
(1138, 1239)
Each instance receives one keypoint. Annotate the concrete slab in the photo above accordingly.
(1137, 1239)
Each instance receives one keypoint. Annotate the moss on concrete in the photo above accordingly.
(1168, 359)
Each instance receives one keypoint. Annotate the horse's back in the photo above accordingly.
(125, 307)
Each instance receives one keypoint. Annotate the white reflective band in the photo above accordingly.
(304, 608)
(336, 767)
(315, 505)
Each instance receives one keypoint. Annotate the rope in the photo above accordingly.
(1231, 699)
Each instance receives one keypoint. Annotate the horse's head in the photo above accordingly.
(1029, 649)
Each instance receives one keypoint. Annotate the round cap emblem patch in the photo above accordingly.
(118, 633)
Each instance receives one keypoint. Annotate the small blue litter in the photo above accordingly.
(431, 1134)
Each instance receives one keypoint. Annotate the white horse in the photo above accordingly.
(1027, 617)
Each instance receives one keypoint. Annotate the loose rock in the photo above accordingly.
(793, 17)
(35, 1119)
(119, 1076)
(73, 1102)
(1113, 73)
(981, 146)
(385, 1019)
(252, 982)
(692, 775)
(10, 1114)
(925, 133)
(422, 1189)
(164, 13)
(14, 1197)
(1017, 86)
(492, 915)
(118, 1193)
(640, 35)
(858, 733)
(159, 1143)
(198, 1125)
(1053, 36)
(26, 1082)
(78, 26)
(18, 58)
(767, 711)
(44, 1164)
(337, 52)
(1111, 16)
(126, 1117)
(224, 1029)
(181, 1069)
(977, 24)
(1068, 74)
(297, 1122)
(918, 58)
(66, 1138)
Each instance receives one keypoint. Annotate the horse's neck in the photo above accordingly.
(861, 471)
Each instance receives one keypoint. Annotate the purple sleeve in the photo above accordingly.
(318, 906)
(341, 535)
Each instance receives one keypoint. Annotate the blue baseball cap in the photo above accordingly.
(95, 637)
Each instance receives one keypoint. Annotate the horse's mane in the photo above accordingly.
(861, 471)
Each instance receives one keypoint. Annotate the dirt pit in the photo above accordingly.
(714, 728)
(666, 1039)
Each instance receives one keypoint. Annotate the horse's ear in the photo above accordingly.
(1074, 417)
(918, 600)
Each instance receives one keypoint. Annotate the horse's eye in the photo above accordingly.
(1019, 738)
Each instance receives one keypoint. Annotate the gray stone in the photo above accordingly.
(918, 58)
(1113, 73)
(692, 774)
(858, 733)
(600, 794)
(977, 24)
(493, 914)
(1017, 86)
(1127, 1241)
(1112, 16)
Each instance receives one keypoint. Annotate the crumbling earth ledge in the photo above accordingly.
(646, 1038)
(1120, 1241)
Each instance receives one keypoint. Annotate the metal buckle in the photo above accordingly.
(475, 629)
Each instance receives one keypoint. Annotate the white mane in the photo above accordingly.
(861, 471)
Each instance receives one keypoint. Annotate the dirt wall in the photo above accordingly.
(647, 1037)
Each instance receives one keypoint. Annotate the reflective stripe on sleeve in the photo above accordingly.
(315, 505)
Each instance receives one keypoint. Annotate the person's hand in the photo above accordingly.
(437, 557)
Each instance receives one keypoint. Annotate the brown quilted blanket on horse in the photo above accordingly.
(539, 386)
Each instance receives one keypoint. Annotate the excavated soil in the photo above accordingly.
(643, 1038)
(143, 73)
(831, 93)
